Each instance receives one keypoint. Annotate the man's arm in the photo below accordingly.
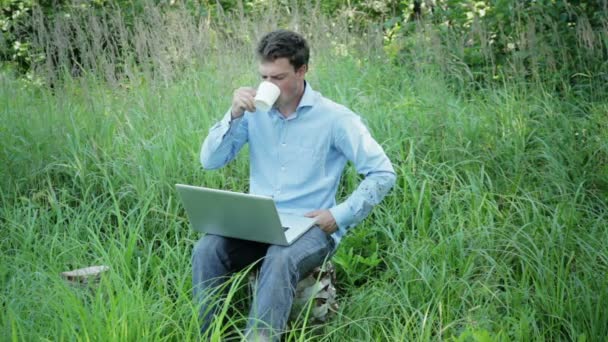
(360, 203)
(228, 136)
(224, 141)
(369, 159)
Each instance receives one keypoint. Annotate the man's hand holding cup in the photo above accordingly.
(249, 99)
(242, 100)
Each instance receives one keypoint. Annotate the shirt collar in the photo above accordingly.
(308, 100)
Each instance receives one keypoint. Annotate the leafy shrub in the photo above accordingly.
(493, 40)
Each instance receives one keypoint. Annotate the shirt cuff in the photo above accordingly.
(228, 123)
(343, 216)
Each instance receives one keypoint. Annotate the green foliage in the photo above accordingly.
(14, 45)
(359, 261)
(549, 40)
(494, 231)
(480, 41)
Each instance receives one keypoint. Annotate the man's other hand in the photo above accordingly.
(242, 100)
(324, 219)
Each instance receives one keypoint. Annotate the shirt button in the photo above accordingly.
(282, 168)
(283, 144)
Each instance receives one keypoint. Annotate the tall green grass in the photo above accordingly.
(495, 229)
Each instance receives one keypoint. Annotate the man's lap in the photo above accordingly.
(309, 251)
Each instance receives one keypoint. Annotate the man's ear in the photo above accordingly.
(302, 70)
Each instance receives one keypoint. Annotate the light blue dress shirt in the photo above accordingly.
(299, 160)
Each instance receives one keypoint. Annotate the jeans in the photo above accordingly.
(215, 257)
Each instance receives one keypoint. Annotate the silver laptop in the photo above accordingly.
(241, 216)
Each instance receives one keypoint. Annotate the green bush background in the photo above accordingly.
(495, 230)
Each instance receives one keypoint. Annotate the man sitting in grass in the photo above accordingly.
(298, 150)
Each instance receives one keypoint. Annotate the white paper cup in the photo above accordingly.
(266, 96)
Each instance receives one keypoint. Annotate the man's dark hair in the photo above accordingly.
(284, 44)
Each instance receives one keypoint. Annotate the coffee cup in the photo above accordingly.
(266, 96)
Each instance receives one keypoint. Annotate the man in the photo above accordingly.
(298, 151)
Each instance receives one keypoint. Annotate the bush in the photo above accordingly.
(493, 40)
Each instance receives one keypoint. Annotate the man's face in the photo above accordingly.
(290, 81)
